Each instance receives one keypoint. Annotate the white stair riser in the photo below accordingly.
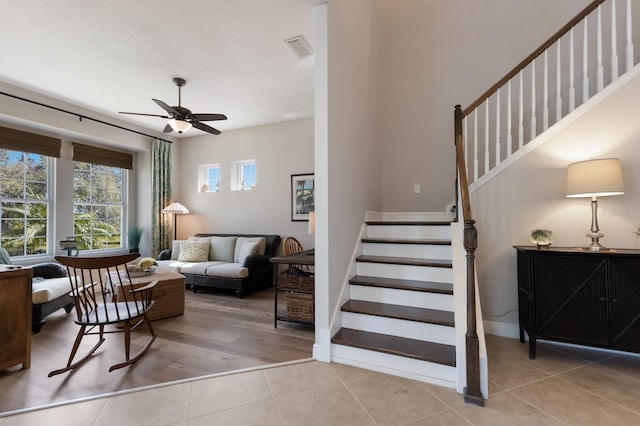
(415, 251)
(409, 368)
(416, 299)
(409, 231)
(406, 272)
(402, 328)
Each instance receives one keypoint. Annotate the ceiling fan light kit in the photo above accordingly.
(180, 118)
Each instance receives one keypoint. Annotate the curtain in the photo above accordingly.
(160, 196)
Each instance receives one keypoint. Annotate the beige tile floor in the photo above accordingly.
(563, 386)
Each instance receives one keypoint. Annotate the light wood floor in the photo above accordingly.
(217, 333)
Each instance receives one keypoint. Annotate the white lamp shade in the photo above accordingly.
(175, 208)
(598, 177)
(179, 125)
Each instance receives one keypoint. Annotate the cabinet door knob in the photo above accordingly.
(602, 299)
(614, 300)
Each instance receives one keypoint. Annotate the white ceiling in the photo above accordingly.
(116, 55)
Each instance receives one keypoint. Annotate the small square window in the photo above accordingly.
(209, 178)
(244, 175)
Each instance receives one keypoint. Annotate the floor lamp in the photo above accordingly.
(175, 209)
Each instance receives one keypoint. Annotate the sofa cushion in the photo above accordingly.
(172, 265)
(223, 248)
(197, 268)
(194, 251)
(262, 244)
(45, 290)
(228, 270)
(248, 248)
(175, 249)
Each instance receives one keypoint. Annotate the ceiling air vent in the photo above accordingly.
(300, 46)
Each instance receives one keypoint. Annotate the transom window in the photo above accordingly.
(98, 205)
(24, 202)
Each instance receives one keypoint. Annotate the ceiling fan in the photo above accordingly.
(180, 118)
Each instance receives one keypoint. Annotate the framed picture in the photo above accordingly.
(302, 196)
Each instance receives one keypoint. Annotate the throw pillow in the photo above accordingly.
(194, 251)
(5, 259)
(262, 245)
(248, 249)
(175, 249)
(223, 248)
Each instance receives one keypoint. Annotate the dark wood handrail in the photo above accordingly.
(472, 392)
(554, 38)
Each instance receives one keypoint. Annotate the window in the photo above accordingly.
(209, 178)
(244, 175)
(25, 179)
(98, 205)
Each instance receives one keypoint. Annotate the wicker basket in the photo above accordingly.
(304, 281)
(300, 306)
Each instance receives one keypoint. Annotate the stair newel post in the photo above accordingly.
(472, 392)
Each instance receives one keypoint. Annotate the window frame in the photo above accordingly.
(237, 175)
(204, 184)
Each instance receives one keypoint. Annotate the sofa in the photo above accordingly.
(239, 262)
(50, 290)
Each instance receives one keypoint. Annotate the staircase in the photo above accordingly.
(399, 318)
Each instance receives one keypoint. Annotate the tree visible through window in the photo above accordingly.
(24, 198)
(98, 205)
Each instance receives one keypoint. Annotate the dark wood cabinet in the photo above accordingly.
(15, 316)
(581, 297)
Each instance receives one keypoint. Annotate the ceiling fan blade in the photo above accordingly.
(147, 115)
(205, 128)
(209, 117)
(167, 129)
(166, 107)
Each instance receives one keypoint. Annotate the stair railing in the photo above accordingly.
(472, 392)
(564, 82)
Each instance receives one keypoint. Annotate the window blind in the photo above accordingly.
(102, 156)
(17, 140)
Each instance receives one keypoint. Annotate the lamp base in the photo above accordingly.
(595, 241)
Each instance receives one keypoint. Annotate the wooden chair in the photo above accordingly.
(94, 283)
(290, 246)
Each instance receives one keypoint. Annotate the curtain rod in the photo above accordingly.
(81, 117)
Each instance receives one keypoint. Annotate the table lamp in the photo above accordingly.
(595, 178)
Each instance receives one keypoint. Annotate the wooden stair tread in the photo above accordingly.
(393, 345)
(409, 223)
(407, 241)
(400, 284)
(439, 263)
(409, 313)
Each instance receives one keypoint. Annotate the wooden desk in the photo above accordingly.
(15, 316)
(306, 257)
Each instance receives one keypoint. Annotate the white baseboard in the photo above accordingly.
(503, 329)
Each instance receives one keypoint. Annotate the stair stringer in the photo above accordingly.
(460, 313)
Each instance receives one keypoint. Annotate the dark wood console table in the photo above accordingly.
(306, 257)
(578, 296)
(15, 316)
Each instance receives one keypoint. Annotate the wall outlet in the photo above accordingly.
(416, 189)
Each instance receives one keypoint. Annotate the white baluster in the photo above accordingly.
(475, 145)
(630, 60)
(600, 66)
(558, 84)
(572, 84)
(545, 94)
(486, 137)
(521, 115)
(509, 135)
(533, 100)
(614, 42)
(498, 149)
(585, 64)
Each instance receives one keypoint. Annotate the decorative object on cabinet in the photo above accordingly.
(302, 196)
(581, 297)
(541, 237)
(595, 178)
